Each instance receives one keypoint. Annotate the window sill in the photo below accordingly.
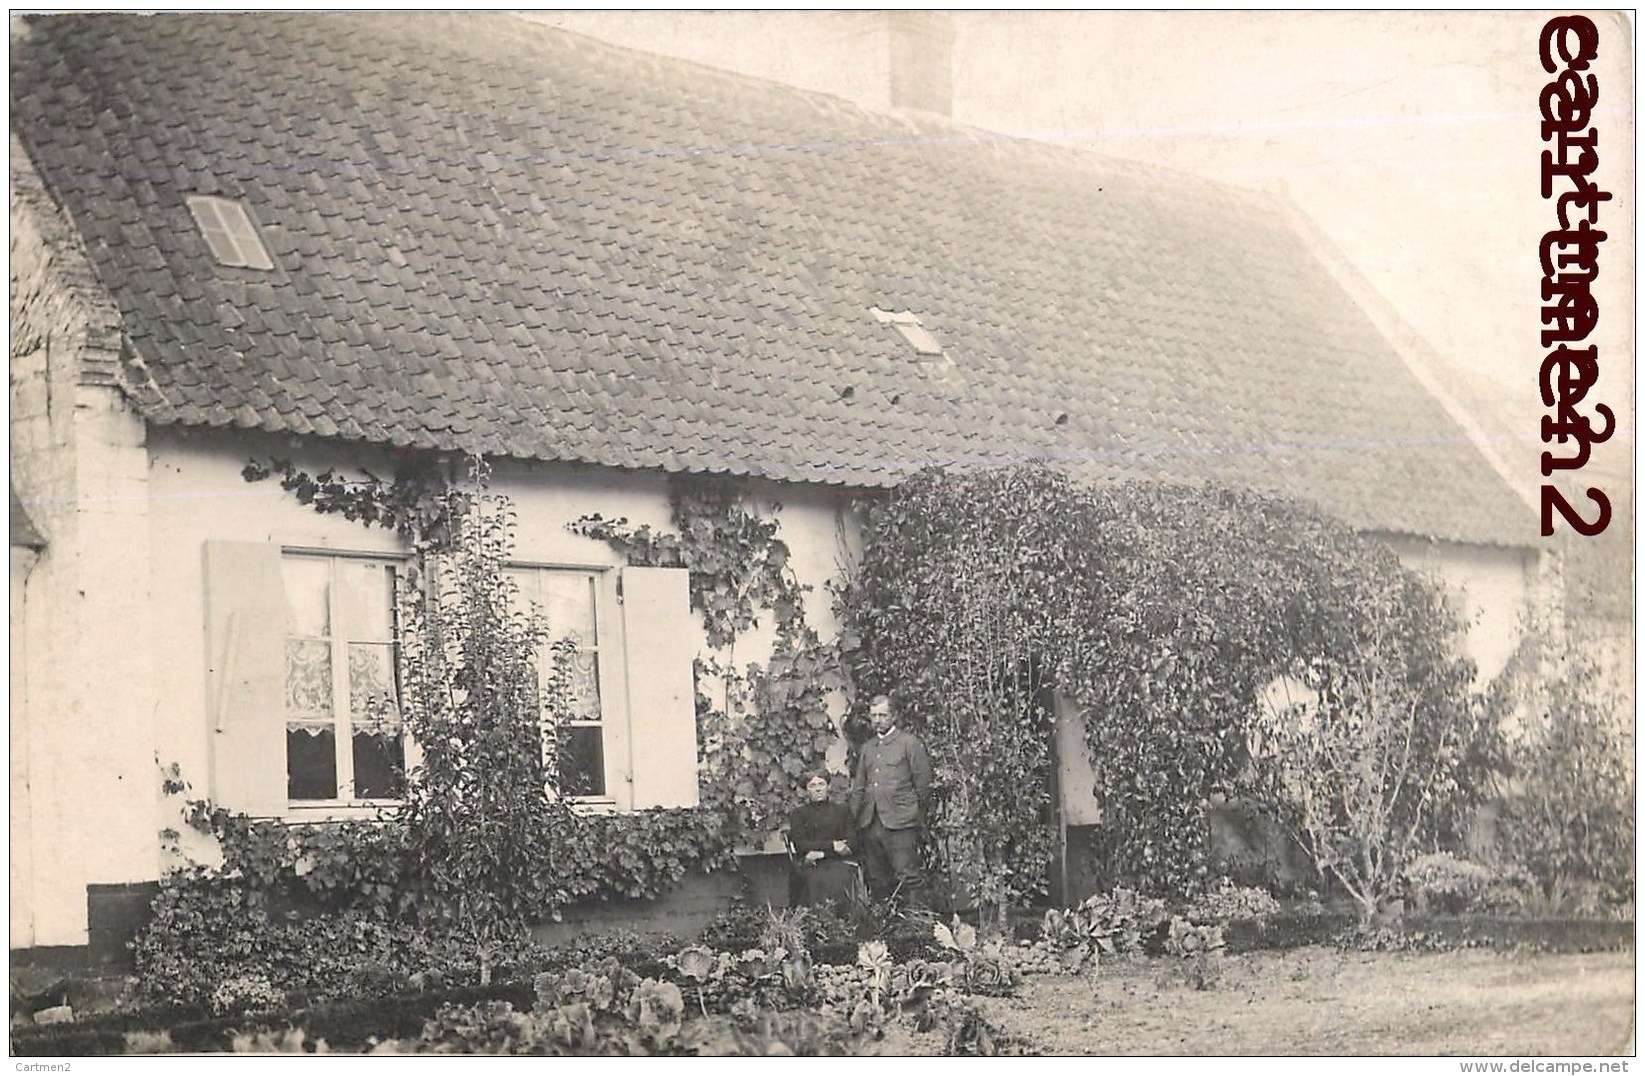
(376, 810)
(356, 811)
(594, 805)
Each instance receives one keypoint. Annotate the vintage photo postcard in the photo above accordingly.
(854, 533)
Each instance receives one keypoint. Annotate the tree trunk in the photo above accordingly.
(1367, 911)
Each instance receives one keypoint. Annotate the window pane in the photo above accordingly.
(311, 762)
(207, 216)
(582, 761)
(308, 587)
(379, 763)
(367, 593)
(308, 677)
(584, 677)
(373, 701)
(238, 224)
(567, 599)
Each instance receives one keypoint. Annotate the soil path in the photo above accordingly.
(1318, 1001)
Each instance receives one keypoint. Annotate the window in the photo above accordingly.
(909, 328)
(302, 700)
(229, 232)
(344, 738)
(569, 600)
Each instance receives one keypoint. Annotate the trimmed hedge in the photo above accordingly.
(1542, 935)
(1288, 930)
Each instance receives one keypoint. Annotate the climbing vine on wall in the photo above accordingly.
(959, 610)
(419, 503)
(761, 726)
(460, 534)
(1158, 614)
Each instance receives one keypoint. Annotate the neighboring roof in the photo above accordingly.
(23, 533)
(493, 235)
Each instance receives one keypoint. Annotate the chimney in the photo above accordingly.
(922, 60)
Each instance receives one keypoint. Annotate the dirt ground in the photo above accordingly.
(1319, 1001)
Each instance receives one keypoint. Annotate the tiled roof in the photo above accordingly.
(492, 235)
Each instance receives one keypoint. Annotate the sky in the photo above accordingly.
(1409, 138)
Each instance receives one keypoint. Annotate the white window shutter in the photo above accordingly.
(659, 645)
(246, 616)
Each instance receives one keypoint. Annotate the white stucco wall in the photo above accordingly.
(21, 830)
(83, 784)
(1494, 588)
(83, 779)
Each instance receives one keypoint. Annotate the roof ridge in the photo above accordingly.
(928, 125)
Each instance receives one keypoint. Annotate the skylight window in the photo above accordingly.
(908, 326)
(229, 232)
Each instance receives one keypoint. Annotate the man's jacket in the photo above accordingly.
(893, 780)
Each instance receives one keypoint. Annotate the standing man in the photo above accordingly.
(890, 795)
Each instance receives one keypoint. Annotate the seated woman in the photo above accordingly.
(820, 833)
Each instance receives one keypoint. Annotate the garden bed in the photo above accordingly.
(345, 1025)
(1279, 988)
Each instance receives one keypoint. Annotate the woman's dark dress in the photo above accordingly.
(814, 827)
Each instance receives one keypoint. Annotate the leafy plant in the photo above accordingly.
(1440, 882)
(960, 938)
(603, 986)
(1111, 924)
(978, 967)
(700, 966)
(741, 926)
(1121, 918)
(245, 993)
(1566, 807)
(1200, 947)
(773, 1034)
(657, 1010)
(1187, 939)
(628, 947)
(206, 930)
(972, 1034)
(1226, 902)
(488, 1027)
(482, 806)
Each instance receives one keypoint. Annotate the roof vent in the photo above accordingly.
(229, 232)
(908, 325)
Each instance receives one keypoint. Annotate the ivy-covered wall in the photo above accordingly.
(1163, 612)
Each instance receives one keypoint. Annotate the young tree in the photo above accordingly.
(481, 808)
(1372, 765)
